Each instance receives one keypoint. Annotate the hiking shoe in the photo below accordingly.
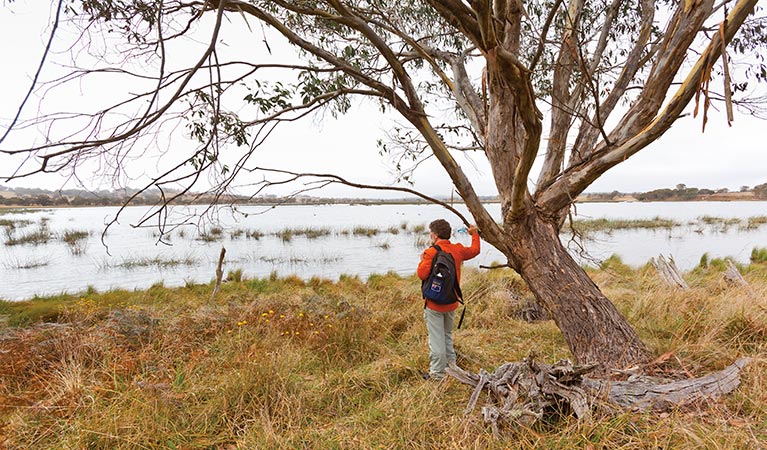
(430, 377)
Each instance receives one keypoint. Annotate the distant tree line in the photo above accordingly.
(75, 198)
(760, 191)
(680, 193)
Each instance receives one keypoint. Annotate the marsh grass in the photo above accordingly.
(753, 223)
(421, 241)
(365, 231)
(719, 224)
(254, 234)
(287, 234)
(12, 224)
(597, 225)
(76, 240)
(39, 236)
(214, 234)
(287, 363)
(17, 264)
(132, 263)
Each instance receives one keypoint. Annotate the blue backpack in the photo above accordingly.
(441, 286)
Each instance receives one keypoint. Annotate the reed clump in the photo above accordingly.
(281, 362)
(586, 226)
(39, 236)
(287, 234)
(214, 234)
(76, 240)
(365, 231)
(131, 263)
(12, 224)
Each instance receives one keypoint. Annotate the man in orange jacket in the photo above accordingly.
(440, 318)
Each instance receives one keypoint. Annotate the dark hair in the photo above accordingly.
(441, 228)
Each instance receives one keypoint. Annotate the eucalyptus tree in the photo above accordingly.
(611, 75)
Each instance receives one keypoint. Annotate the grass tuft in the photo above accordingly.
(759, 255)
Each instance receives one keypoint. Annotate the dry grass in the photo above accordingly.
(284, 363)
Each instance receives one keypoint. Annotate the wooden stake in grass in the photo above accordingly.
(219, 273)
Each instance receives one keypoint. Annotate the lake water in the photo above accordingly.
(133, 257)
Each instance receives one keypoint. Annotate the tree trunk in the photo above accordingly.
(593, 328)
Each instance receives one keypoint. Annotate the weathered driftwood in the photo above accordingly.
(732, 275)
(668, 272)
(520, 392)
(523, 392)
(641, 395)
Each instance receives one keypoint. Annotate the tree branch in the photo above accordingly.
(460, 16)
(560, 193)
(332, 178)
(561, 116)
(589, 132)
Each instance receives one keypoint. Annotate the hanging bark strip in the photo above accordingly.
(727, 88)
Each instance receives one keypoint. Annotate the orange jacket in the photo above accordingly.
(460, 254)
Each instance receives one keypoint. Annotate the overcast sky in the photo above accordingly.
(722, 157)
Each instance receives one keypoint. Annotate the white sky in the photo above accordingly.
(723, 157)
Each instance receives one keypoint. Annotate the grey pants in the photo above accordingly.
(441, 352)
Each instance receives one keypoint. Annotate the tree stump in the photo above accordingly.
(668, 272)
(523, 392)
(732, 275)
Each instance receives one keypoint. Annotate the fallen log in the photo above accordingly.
(523, 392)
(641, 395)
